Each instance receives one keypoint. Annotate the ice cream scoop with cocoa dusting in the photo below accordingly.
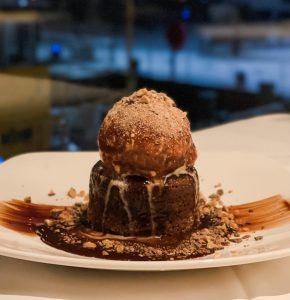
(145, 134)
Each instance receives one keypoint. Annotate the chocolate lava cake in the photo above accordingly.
(145, 183)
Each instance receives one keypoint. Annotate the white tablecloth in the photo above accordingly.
(269, 135)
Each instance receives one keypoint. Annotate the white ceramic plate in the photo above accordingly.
(251, 177)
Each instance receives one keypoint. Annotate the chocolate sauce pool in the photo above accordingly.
(32, 219)
(28, 218)
(80, 236)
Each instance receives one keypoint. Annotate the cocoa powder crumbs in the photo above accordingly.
(247, 236)
(81, 193)
(220, 192)
(239, 240)
(27, 199)
(51, 193)
(89, 245)
(150, 112)
(217, 229)
(217, 185)
(72, 193)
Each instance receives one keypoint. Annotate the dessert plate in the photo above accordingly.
(244, 177)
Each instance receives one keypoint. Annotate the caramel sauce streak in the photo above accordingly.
(266, 213)
(20, 216)
(259, 203)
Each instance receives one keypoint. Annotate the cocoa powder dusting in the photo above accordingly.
(149, 111)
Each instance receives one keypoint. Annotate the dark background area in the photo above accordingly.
(64, 63)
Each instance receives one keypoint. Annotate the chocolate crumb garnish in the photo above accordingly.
(51, 193)
(239, 240)
(72, 193)
(220, 192)
(50, 222)
(27, 199)
(244, 229)
(247, 236)
(258, 238)
(89, 245)
(81, 194)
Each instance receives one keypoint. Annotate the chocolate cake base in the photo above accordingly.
(135, 206)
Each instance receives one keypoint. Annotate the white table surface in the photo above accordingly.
(269, 135)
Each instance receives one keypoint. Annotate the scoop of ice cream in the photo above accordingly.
(145, 134)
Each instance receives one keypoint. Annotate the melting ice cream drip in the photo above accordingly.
(107, 198)
(126, 206)
(121, 184)
(194, 175)
(150, 189)
(121, 188)
(161, 183)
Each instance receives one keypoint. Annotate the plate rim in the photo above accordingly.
(122, 265)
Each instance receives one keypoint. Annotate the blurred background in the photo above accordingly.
(63, 64)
